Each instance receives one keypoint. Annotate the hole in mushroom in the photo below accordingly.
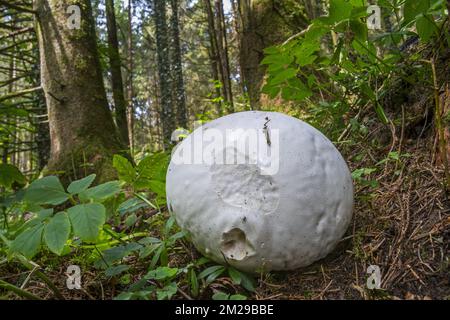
(235, 245)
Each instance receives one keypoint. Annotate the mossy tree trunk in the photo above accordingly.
(162, 50)
(219, 50)
(177, 69)
(130, 68)
(116, 73)
(263, 23)
(213, 54)
(82, 132)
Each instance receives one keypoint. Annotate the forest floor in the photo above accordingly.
(401, 224)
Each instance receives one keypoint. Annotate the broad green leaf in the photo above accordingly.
(283, 76)
(167, 292)
(80, 185)
(157, 187)
(193, 282)
(87, 219)
(339, 10)
(304, 52)
(214, 275)
(10, 174)
(57, 232)
(131, 205)
(235, 275)
(102, 191)
(359, 173)
(247, 282)
(238, 297)
(316, 32)
(124, 296)
(29, 241)
(270, 90)
(153, 167)
(359, 29)
(44, 214)
(220, 296)
(124, 168)
(425, 27)
(114, 254)
(295, 89)
(116, 270)
(130, 220)
(162, 273)
(271, 50)
(38, 218)
(47, 190)
(210, 270)
(412, 8)
(159, 249)
(277, 61)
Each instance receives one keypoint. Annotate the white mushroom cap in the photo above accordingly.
(271, 213)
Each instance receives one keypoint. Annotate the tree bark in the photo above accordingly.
(222, 45)
(162, 49)
(82, 132)
(219, 49)
(116, 73)
(130, 93)
(177, 69)
(10, 90)
(213, 54)
(263, 23)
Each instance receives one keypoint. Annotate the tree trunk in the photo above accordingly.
(116, 73)
(219, 49)
(236, 38)
(162, 48)
(82, 132)
(177, 70)
(10, 90)
(222, 46)
(130, 93)
(213, 54)
(42, 137)
(263, 23)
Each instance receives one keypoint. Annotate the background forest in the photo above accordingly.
(91, 92)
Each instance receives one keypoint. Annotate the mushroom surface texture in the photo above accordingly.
(260, 191)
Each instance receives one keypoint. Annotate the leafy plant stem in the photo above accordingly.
(137, 195)
(439, 127)
(31, 266)
(20, 292)
(113, 242)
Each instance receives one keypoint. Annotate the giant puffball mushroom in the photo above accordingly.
(260, 191)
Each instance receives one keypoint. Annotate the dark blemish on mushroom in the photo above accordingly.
(244, 219)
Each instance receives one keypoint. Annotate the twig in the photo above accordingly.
(19, 93)
(18, 8)
(184, 294)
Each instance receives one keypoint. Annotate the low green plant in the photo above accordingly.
(329, 81)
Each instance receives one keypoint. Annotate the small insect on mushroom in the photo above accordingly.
(266, 131)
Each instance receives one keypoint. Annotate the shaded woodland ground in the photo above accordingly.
(103, 97)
